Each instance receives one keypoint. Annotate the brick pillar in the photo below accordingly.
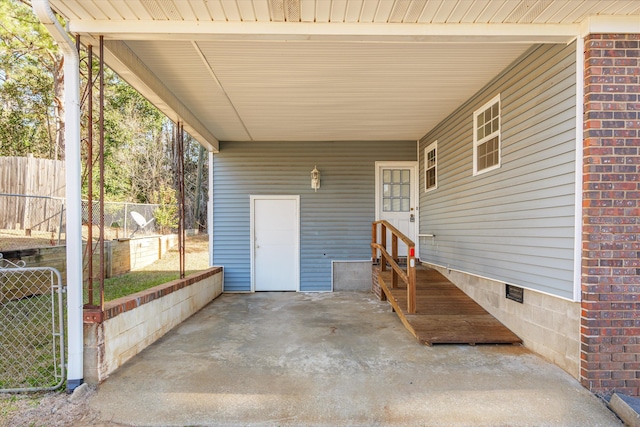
(610, 324)
(375, 283)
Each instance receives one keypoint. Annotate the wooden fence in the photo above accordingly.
(29, 176)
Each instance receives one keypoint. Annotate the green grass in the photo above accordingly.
(26, 357)
(161, 271)
(8, 406)
(117, 287)
(136, 281)
(26, 344)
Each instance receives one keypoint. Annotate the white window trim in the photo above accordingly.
(430, 147)
(476, 143)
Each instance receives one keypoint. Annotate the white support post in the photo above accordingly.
(75, 336)
(577, 239)
(210, 210)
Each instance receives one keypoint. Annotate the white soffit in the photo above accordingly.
(323, 91)
(346, 11)
(328, 69)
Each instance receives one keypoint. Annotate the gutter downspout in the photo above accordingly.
(75, 337)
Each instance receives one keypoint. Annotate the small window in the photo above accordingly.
(396, 190)
(431, 167)
(486, 137)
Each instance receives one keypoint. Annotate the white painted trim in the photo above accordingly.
(388, 164)
(428, 264)
(577, 245)
(603, 24)
(476, 143)
(209, 68)
(75, 326)
(210, 229)
(427, 149)
(418, 160)
(359, 31)
(414, 165)
(252, 199)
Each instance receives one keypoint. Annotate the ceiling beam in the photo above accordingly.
(215, 78)
(376, 32)
(123, 61)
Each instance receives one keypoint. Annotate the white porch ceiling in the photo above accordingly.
(322, 70)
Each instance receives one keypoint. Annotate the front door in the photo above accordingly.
(396, 199)
(275, 253)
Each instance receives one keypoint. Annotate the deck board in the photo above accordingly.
(445, 314)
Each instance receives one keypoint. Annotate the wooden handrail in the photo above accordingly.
(409, 278)
(407, 241)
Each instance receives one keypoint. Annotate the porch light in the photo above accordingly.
(315, 178)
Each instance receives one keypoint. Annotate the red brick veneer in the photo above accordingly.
(610, 323)
(375, 285)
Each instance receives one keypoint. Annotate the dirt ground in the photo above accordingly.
(50, 409)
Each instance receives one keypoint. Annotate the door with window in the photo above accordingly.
(396, 199)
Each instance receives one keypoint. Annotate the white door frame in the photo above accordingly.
(252, 199)
(413, 165)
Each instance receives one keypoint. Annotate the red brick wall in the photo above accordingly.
(375, 285)
(610, 325)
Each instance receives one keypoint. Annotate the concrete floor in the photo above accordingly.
(333, 359)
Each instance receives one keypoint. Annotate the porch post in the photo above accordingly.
(75, 338)
(210, 209)
(610, 327)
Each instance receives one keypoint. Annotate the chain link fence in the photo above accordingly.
(30, 222)
(119, 218)
(31, 328)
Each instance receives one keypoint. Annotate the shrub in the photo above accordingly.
(166, 214)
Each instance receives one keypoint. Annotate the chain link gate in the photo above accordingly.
(31, 328)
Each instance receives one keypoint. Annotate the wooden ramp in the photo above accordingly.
(444, 314)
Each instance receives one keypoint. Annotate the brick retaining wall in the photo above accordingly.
(132, 323)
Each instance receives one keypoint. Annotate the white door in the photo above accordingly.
(396, 199)
(275, 253)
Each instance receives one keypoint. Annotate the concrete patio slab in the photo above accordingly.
(333, 359)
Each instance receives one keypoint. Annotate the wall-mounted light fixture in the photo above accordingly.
(315, 178)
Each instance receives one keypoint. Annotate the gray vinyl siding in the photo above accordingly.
(335, 221)
(516, 223)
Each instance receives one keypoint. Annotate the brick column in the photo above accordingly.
(610, 324)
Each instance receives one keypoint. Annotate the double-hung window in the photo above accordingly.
(431, 167)
(486, 137)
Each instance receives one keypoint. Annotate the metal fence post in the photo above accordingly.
(125, 219)
(60, 224)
